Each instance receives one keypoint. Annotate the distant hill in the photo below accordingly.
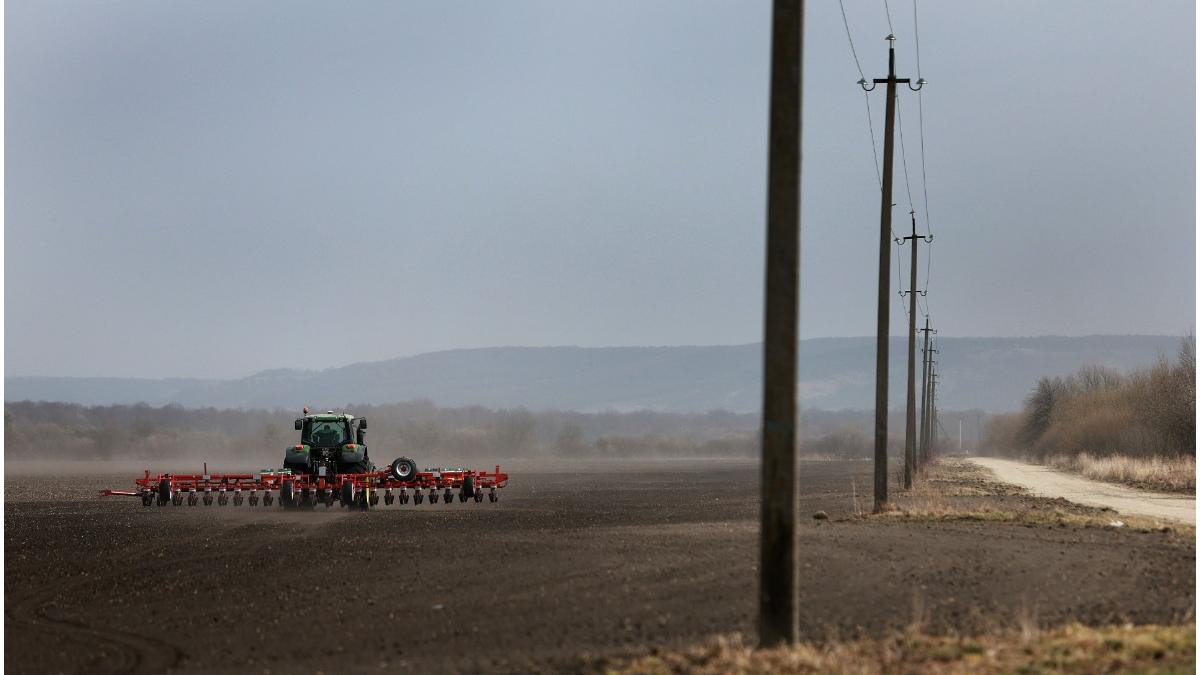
(993, 374)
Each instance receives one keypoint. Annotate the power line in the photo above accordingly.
(871, 128)
(924, 175)
(924, 179)
(888, 10)
(849, 39)
(928, 261)
(917, 39)
(903, 154)
(921, 123)
(866, 98)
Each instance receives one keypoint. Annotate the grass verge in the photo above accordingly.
(952, 489)
(1033, 517)
(1069, 649)
(1172, 474)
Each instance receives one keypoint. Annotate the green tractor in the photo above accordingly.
(330, 444)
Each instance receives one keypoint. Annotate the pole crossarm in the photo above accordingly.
(891, 78)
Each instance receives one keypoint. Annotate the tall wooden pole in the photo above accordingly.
(927, 436)
(885, 271)
(885, 292)
(778, 617)
(933, 409)
(910, 427)
(922, 454)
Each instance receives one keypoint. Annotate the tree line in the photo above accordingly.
(1102, 412)
(38, 430)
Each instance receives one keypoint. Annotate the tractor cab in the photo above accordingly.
(324, 433)
(330, 443)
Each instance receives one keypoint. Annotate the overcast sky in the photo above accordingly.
(213, 188)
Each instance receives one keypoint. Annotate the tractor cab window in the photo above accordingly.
(328, 434)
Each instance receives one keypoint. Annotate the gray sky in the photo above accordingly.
(212, 188)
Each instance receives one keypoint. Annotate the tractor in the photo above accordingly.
(332, 444)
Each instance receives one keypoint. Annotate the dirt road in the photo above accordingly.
(1046, 482)
(570, 567)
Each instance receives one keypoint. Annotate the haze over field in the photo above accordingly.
(528, 241)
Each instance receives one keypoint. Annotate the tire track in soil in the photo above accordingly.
(123, 652)
(133, 653)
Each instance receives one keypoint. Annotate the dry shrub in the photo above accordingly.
(1002, 434)
(1148, 414)
(1095, 421)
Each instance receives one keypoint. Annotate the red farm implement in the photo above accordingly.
(362, 490)
(331, 464)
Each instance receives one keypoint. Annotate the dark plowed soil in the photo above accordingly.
(567, 569)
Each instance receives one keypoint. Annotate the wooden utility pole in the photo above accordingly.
(910, 427)
(933, 409)
(929, 417)
(885, 273)
(922, 453)
(778, 601)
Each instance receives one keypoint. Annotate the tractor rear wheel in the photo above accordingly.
(355, 467)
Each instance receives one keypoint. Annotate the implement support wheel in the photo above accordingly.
(403, 469)
(287, 494)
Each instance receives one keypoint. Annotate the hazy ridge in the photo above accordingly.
(993, 374)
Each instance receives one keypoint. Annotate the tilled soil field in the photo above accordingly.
(570, 568)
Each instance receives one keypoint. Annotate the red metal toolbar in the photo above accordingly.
(298, 490)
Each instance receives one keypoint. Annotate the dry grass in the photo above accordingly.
(1069, 649)
(952, 489)
(1175, 474)
(945, 511)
